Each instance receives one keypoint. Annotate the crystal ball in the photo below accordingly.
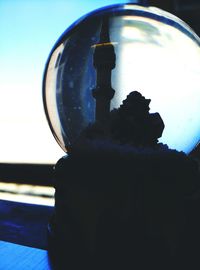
(155, 53)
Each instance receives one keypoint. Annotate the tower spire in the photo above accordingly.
(104, 61)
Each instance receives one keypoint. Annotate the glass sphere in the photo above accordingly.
(155, 53)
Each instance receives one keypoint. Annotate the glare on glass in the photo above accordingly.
(157, 54)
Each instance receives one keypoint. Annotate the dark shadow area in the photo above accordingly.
(33, 174)
(126, 209)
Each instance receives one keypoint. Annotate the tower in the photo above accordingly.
(103, 61)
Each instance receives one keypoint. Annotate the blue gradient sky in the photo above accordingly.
(28, 31)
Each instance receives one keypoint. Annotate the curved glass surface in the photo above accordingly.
(156, 54)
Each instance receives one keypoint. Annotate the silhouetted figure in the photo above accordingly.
(104, 62)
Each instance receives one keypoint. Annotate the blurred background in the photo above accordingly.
(28, 31)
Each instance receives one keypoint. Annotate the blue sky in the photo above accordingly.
(28, 31)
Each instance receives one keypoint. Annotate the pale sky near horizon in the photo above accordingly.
(28, 30)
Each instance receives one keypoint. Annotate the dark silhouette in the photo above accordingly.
(119, 206)
(104, 62)
(130, 124)
(123, 200)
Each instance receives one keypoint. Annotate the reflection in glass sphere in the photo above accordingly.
(156, 54)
